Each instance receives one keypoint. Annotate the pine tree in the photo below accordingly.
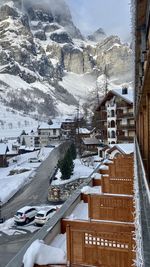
(66, 165)
(73, 151)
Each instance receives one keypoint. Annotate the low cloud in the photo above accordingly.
(55, 6)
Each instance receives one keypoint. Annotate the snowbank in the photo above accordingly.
(91, 190)
(43, 254)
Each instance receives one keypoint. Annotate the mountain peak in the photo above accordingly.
(97, 36)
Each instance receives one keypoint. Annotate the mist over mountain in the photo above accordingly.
(46, 65)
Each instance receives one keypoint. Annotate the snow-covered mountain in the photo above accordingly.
(47, 66)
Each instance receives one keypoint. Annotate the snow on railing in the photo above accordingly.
(138, 230)
(143, 173)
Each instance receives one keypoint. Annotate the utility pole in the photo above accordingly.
(106, 79)
(77, 129)
(1, 219)
(97, 94)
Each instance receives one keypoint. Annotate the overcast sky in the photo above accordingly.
(111, 15)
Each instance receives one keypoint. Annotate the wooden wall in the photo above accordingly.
(109, 207)
(99, 244)
(120, 176)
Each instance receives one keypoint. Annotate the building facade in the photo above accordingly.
(141, 27)
(47, 133)
(115, 117)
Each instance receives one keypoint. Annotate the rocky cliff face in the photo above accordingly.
(42, 53)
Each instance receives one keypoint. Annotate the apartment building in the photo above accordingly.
(47, 133)
(115, 117)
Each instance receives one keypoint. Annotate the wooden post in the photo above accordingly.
(68, 245)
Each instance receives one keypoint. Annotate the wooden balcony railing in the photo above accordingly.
(125, 115)
(102, 244)
(125, 126)
(110, 207)
(125, 138)
(120, 176)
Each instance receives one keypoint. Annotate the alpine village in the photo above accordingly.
(74, 137)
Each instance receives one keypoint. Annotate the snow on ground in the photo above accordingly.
(80, 171)
(10, 184)
(13, 122)
(79, 84)
(9, 227)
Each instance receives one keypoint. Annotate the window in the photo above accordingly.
(112, 124)
(54, 131)
(112, 113)
(113, 134)
(124, 91)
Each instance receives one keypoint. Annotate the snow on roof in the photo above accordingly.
(118, 92)
(90, 141)
(83, 131)
(128, 96)
(126, 148)
(43, 254)
(3, 149)
(52, 126)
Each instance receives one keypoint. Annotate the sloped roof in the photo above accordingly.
(118, 92)
(48, 127)
(127, 148)
(90, 141)
(83, 131)
(3, 149)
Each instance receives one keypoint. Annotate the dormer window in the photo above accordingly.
(124, 91)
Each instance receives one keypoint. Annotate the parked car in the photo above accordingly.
(34, 160)
(44, 215)
(50, 145)
(25, 215)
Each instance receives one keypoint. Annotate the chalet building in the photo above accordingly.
(115, 117)
(111, 151)
(30, 140)
(70, 125)
(3, 155)
(90, 144)
(141, 26)
(47, 133)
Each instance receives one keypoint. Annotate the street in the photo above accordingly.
(34, 193)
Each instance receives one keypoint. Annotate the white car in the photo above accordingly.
(34, 160)
(44, 215)
(25, 215)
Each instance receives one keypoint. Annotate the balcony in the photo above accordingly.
(103, 117)
(125, 138)
(122, 104)
(126, 127)
(144, 202)
(125, 115)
